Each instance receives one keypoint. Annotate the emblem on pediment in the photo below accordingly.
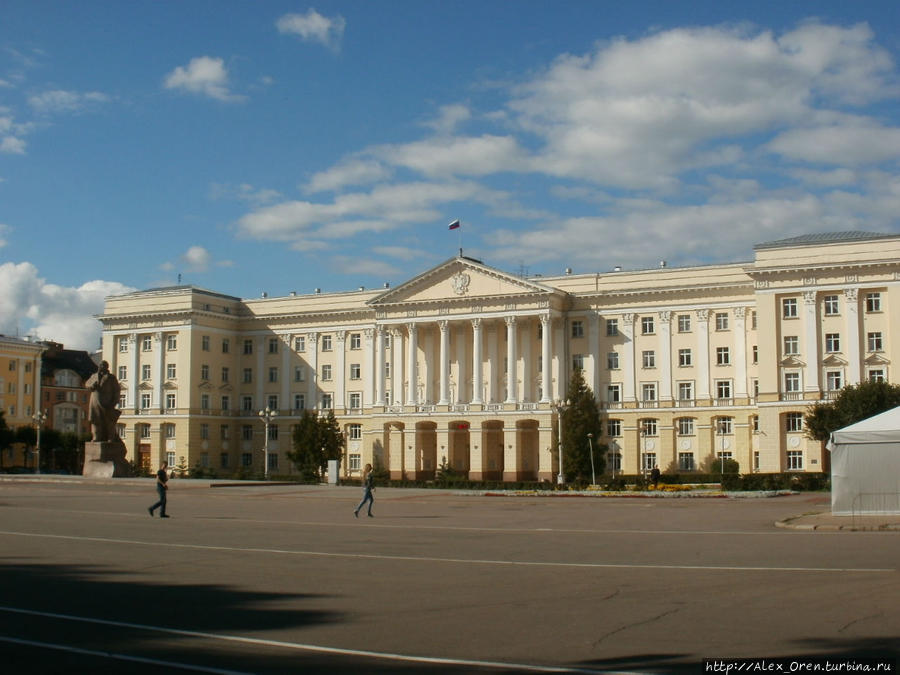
(460, 282)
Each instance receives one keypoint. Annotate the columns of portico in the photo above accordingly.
(511, 390)
(476, 362)
(397, 366)
(527, 366)
(412, 389)
(312, 356)
(629, 375)
(545, 358)
(854, 369)
(665, 355)
(494, 360)
(703, 384)
(445, 362)
(135, 373)
(379, 366)
(370, 396)
(284, 400)
(340, 399)
(740, 348)
(159, 367)
(811, 378)
(460, 394)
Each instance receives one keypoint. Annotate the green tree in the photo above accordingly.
(853, 403)
(316, 440)
(581, 418)
(7, 437)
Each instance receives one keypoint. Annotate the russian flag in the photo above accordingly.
(454, 225)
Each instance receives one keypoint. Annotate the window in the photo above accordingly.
(170, 371)
(684, 323)
(834, 380)
(685, 391)
(204, 401)
(791, 345)
(723, 389)
(832, 342)
(355, 462)
(577, 329)
(246, 459)
(647, 325)
(795, 460)
(578, 362)
(326, 343)
(300, 344)
(170, 401)
(685, 426)
(355, 400)
(615, 461)
(831, 305)
(204, 372)
(614, 393)
(299, 401)
(354, 432)
(792, 382)
(754, 351)
(789, 308)
(273, 374)
(204, 432)
(648, 358)
(299, 373)
(248, 346)
(648, 392)
(226, 348)
(145, 401)
(145, 372)
(123, 344)
(876, 375)
(612, 360)
(326, 372)
(326, 401)
(247, 403)
(226, 374)
(171, 342)
(387, 369)
(273, 432)
(224, 432)
(649, 427)
(272, 402)
(721, 320)
(223, 460)
(725, 426)
(273, 345)
(123, 373)
(754, 425)
(248, 375)
(793, 422)
(146, 343)
(613, 427)
(612, 327)
(873, 302)
(226, 403)
(723, 356)
(685, 461)
(144, 430)
(204, 343)
(247, 432)
(875, 341)
(355, 371)
(649, 461)
(685, 358)
(355, 341)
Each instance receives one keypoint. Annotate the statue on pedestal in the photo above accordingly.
(104, 388)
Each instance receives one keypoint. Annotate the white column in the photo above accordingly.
(562, 361)
(445, 362)
(811, 334)
(397, 367)
(546, 365)
(702, 357)
(160, 374)
(369, 361)
(476, 362)
(132, 401)
(412, 355)
(594, 356)
(853, 339)
(312, 356)
(340, 377)
(493, 340)
(284, 400)
(379, 366)
(664, 355)
(628, 372)
(511, 389)
(740, 355)
(428, 362)
(461, 370)
(259, 346)
(527, 365)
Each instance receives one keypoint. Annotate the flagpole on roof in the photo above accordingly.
(456, 225)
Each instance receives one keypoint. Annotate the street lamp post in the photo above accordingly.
(561, 407)
(267, 416)
(721, 426)
(39, 419)
(591, 446)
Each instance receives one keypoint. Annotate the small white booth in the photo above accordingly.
(865, 466)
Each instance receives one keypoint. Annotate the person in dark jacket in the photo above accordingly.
(368, 487)
(162, 488)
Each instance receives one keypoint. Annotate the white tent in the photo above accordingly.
(865, 466)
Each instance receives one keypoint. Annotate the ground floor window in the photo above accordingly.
(246, 459)
(795, 460)
(273, 461)
(649, 461)
(223, 460)
(355, 461)
(685, 461)
(170, 459)
(615, 461)
(204, 459)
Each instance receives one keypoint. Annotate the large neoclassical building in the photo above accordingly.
(466, 364)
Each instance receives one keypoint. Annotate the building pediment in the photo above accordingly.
(877, 360)
(832, 360)
(792, 362)
(463, 280)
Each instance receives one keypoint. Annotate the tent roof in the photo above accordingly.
(881, 428)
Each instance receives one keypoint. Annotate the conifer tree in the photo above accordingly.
(581, 418)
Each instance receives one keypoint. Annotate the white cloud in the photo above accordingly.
(467, 156)
(4, 229)
(243, 192)
(348, 172)
(849, 144)
(30, 306)
(60, 101)
(204, 75)
(450, 117)
(196, 258)
(12, 145)
(314, 27)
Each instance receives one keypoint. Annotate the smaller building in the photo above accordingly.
(64, 400)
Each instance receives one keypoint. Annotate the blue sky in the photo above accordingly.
(280, 146)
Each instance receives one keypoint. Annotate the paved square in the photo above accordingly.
(283, 578)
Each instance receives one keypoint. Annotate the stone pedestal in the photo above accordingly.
(105, 460)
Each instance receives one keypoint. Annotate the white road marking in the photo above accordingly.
(337, 651)
(461, 561)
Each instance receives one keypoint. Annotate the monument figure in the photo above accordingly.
(104, 388)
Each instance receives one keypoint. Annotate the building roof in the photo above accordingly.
(57, 358)
(824, 238)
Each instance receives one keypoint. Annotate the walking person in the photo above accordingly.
(162, 487)
(368, 488)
